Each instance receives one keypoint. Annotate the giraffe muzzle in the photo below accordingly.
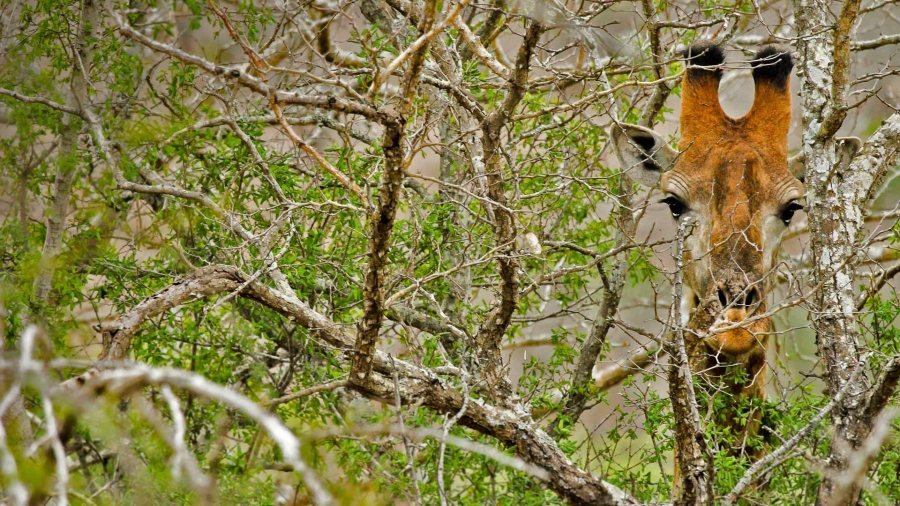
(739, 301)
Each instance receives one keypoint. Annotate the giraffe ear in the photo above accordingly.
(848, 147)
(797, 166)
(643, 154)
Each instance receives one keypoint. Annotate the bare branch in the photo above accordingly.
(879, 152)
(15, 490)
(508, 426)
(497, 320)
(613, 286)
(59, 453)
(382, 222)
(418, 46)
(877, 284)
(282, 97)
(74, 111)
(692, 456)
(306, 392)
(479, 50)
(840, 69)
(862, 459)
(663, 89)
(421, 434)
(881, 392)
(637, 360)
(424, 322)
(183, 460)
(836, 193)
(317, 156)
(884, 40)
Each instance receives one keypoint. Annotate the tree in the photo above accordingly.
(381, 252)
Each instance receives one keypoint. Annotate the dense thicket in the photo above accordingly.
(379, 252)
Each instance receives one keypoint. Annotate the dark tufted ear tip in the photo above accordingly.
(704, 54)
(773, 64)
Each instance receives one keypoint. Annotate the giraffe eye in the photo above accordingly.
(787, 212)
(675, 205)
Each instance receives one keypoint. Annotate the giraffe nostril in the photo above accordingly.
(752, 297)
(723, 297)
(746, 299)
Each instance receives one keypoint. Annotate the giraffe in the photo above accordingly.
(731, 179)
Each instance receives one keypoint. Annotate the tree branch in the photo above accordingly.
(884, 40)
(121, 381)
(419, 46)
(475, 47)
(497, 320)
(637, 360)
(321, 101)
(880, 152)
(695, 473)
(382, 222)
(840, 69)
(881, 392)
(306, 392)
(74, 111)
(835, 195)
(663, 88)
(506, 425)
(613, 286)
(794, 440)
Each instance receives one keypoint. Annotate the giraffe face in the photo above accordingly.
(729, 183)
(738, 203)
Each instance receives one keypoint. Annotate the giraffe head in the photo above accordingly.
(730, 178)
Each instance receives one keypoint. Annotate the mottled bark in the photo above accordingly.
(833, 223)
(836, 193)
(381, 228)
(67, 165)
(66, 170)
